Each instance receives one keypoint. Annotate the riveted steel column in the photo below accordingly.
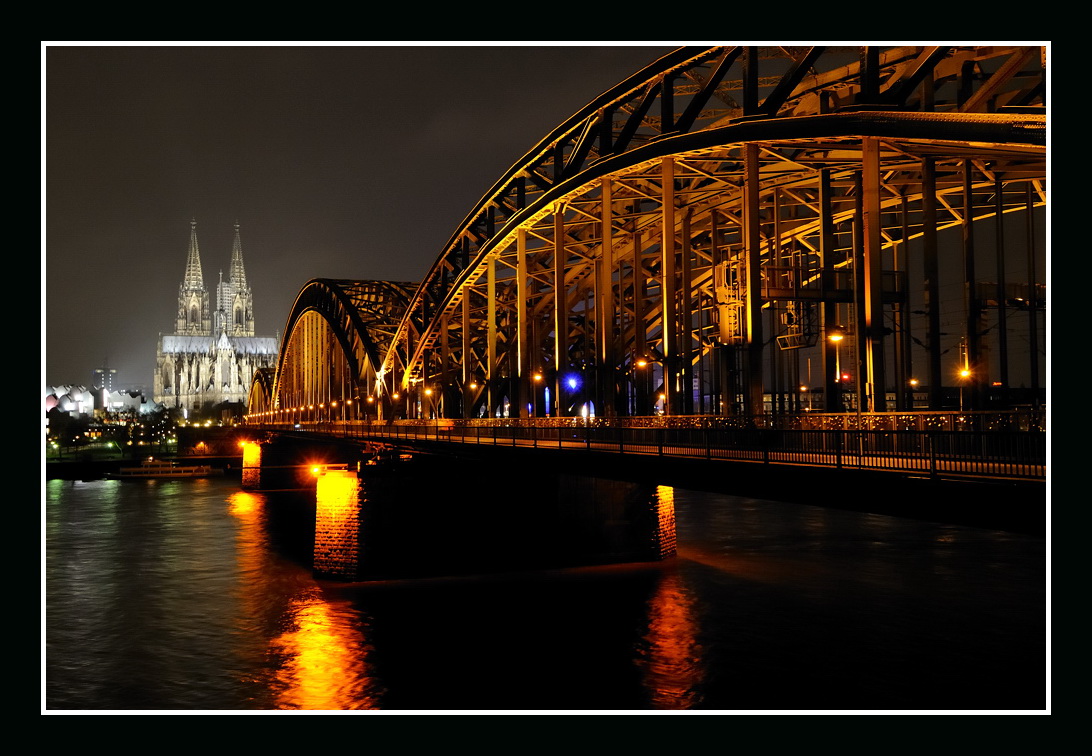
(561, 309)
(669, 325)
(522, 388)
(832, 382)
(932, 279)
(1002, 288)
(445, 373)
(1033, 297)
(752, 242)
(642, 379)
(491, 344)
(686, 324)
(467, 375)
(904, 394)
(876, 386)
(974, 325)
(604, 305)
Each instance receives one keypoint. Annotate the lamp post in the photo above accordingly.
(537, 379)
(640, 381)
(835, 336)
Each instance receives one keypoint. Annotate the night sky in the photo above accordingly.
(337, 161)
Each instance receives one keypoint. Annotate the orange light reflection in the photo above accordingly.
(321, 659)
(324, 666)
(671, 659)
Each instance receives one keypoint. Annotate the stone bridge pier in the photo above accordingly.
(415, 516)
(385, 514)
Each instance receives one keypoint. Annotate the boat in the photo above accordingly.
(164, 468)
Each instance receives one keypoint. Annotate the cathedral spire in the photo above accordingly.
(237, 276)
(194, 317)
(193, 280)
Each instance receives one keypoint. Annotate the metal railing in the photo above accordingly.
(982, 449)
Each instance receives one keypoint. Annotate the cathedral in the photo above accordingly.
(212, 355)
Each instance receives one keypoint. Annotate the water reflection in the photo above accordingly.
(317, 654)
(323, 659)
(669, 655)
(193, 595)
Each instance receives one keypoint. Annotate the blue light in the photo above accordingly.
(572, 381)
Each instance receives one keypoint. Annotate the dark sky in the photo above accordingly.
(342, 162)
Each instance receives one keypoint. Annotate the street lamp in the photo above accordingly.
(835, 336)
(537, 379)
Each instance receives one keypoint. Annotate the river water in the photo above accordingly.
(194, 596)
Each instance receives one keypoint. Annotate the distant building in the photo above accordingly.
(212, 355)
(81, 400)
(131, 402)
(103, 378)
(72, 400)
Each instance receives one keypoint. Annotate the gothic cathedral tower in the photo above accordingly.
(211, 358)
(234, 302)
(193, 297)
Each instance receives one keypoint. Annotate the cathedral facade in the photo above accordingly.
(213, 354)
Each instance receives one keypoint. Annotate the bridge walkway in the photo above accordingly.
(990, 455)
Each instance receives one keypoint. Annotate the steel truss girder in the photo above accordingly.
(710, 181)
(360, 318)
(731, 186)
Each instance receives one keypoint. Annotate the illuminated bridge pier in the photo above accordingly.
(772, 238)
(396, 514)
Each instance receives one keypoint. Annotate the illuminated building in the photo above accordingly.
(212, 356)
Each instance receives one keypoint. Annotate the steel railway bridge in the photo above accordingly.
(734, 238)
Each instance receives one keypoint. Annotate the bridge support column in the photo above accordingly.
(752, 250)
(338, 512)
(422, 517)
(252, 466)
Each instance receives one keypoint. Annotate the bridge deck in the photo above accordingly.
(995, 455)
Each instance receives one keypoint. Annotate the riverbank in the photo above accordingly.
(99, 468)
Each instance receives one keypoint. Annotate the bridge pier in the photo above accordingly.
(338, 508)
(414, 516)
(282, 464)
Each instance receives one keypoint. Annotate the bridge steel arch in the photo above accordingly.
(260, 401)
(692, 238)
(336, 335)
(681, 243)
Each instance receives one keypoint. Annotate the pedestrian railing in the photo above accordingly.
(1004, 453)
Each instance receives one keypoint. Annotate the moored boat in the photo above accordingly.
(163, 468)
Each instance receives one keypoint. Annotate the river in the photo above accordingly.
(192, 596)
